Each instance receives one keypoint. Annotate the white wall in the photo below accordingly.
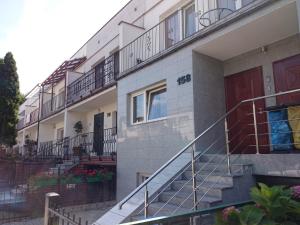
(46, 132)
(132, 11)
(107, 119)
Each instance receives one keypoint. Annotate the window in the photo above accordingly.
(149, 104)
(172, 30)
(157, 104)
(189, 20)
(138, 108)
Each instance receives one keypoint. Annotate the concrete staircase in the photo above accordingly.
(169, 196)
(214, 188)
(64, 166)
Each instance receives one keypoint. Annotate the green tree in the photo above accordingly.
(10, 99)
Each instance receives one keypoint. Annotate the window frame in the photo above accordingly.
(184, 21)
(168, 18)
(131, 102)
(146, 93)
(148, 101)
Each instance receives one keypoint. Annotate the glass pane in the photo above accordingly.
(157, 104)
(190, 25)
(172, 30)
(138, 108)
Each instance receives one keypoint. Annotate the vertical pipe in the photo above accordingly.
(146, 202)
(194, 179)
(38, 119)
(227, 147)
(52, 88)
(255, 127)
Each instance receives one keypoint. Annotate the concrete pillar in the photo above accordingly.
(298, 12)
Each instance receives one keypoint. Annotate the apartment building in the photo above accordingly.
(167, 78)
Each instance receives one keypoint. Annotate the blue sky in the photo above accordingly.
(43, 33)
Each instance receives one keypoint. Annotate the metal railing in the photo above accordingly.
(54, 215)
(218, 150)
(53, 105)
(171, 31)
(34, 116)
(103, 144)
(186, 218)
(96, 79)
(53, 149)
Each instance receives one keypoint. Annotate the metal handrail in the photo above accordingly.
(160, 220)
(145, 183)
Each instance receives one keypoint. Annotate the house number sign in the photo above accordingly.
(184, 79)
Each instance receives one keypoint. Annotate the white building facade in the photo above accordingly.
(161, 72)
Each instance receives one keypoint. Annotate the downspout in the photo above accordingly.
(52, 96)
(41, 91)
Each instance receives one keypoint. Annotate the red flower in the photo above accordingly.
(226, 212)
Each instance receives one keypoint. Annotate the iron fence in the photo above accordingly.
(103, 75)
(53, 149)
(103, 144)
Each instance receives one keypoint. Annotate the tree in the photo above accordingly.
(10, 99)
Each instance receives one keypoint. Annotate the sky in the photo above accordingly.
(42, 34)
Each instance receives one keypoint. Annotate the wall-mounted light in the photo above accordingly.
(264, 49)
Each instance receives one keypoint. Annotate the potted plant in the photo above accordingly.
(78, 127)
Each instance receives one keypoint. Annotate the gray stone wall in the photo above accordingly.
(143, 148)
(285, 165)
(209, 101)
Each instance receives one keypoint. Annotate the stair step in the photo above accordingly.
(186, 199)
(219, 167)
(213, 158)
(162, 209)
(224, 179)
(211, 189)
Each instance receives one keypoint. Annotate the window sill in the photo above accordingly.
(149, 121)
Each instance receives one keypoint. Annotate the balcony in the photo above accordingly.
(33, 117)
(175, 29)
(103, 144)
(55, 104)
(97, 79)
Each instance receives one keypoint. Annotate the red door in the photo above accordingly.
(287, 77)
(238, 87)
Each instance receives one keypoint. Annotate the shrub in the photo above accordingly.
(275, 205)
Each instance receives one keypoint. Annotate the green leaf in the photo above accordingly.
(251, 215)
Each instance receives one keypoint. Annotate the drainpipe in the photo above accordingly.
(52, 96)
(41, 90)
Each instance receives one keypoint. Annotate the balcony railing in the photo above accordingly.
(103, 144)
(53, 105)
(52, 149)
(103, 75)
(33, 117)
(171, 31)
